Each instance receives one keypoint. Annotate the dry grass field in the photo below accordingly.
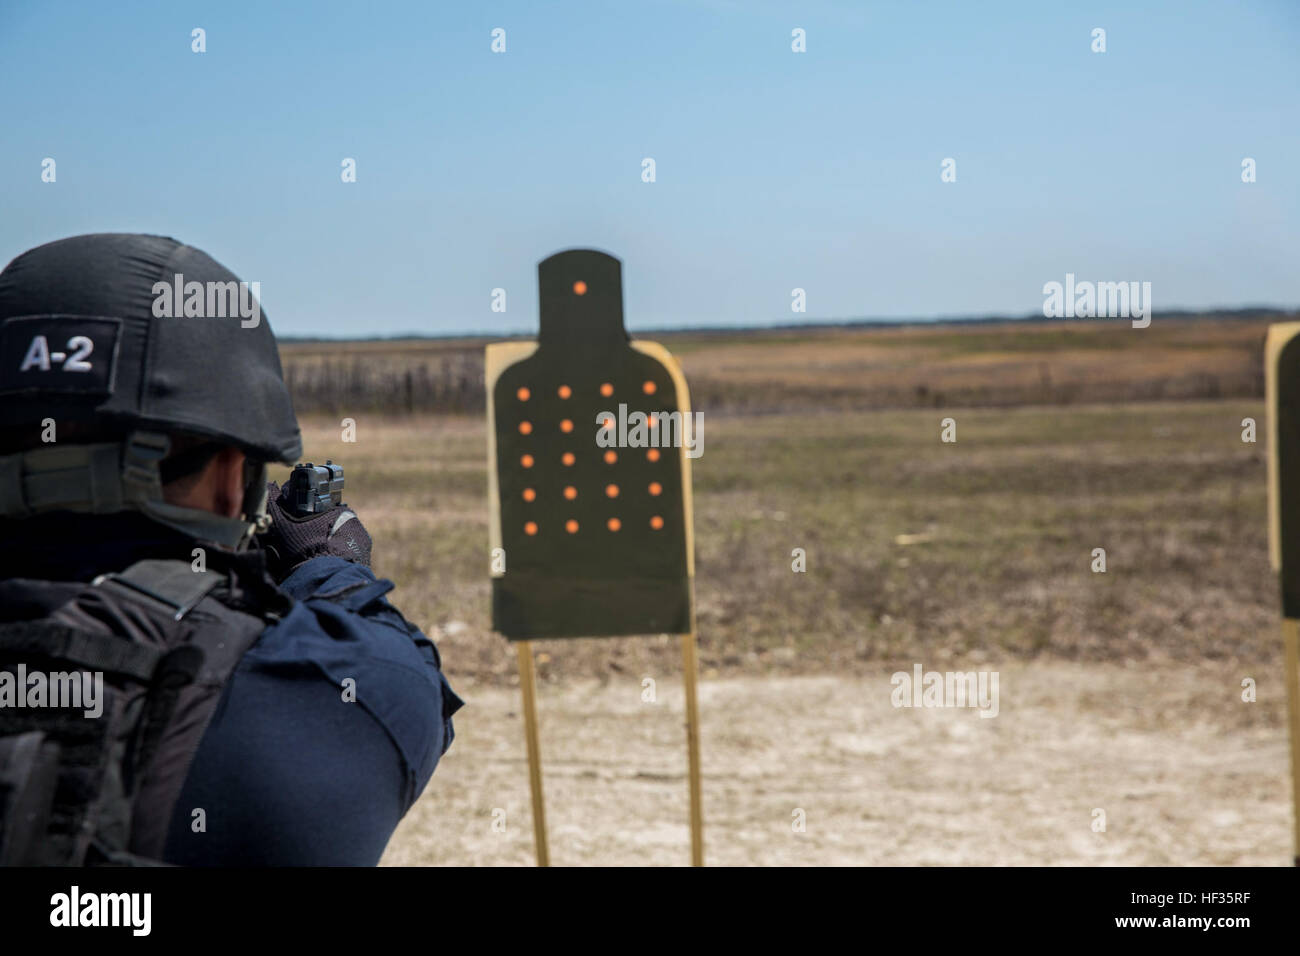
(974, 550)
(1120, 691)
(845, 368)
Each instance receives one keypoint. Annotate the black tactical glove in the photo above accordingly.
(294, 538)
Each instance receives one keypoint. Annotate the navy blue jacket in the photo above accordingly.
(288, 772)
(293, 772)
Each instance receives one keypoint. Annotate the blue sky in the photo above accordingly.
(775, 170)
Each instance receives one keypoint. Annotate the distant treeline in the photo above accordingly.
(446, 381)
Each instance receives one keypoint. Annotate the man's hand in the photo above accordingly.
(294, 538)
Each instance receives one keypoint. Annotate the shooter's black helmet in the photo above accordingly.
(92, 329)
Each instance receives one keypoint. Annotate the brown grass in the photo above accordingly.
(916, 549)
(852, 368)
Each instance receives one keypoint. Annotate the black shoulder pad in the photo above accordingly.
(173, 584)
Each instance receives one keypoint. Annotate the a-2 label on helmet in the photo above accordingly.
(48, 353)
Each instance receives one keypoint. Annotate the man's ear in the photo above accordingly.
(228, 468)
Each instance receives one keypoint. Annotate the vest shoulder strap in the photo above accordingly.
(171, 586)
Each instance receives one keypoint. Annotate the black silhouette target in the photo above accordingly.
(1283, 383)
(597, 540)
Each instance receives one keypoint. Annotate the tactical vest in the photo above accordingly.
(79, 788)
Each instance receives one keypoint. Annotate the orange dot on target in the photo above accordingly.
(652, 454)
(613, 524)
(566, 426)
(529, 494)
(524, 394)
(567, 458)
(571, 526)
(525, 428)
(656, 522)
(656, 488)
(607, 423)
(579, 288)
(526, 461)
(611, 491)
(649, 388)
(564, 391)
(530, 528)
(607, 389)
(570, 492)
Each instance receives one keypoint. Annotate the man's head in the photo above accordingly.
(217, 486)
(129, 381)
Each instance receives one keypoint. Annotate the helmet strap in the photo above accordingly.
(113, 477)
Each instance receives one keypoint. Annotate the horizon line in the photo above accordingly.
(1236, 312)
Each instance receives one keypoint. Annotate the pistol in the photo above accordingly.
(312, 489)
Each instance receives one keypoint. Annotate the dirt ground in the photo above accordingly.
(1184, 770)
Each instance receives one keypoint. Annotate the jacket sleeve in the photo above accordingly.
(350, 603)
(327, 732)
